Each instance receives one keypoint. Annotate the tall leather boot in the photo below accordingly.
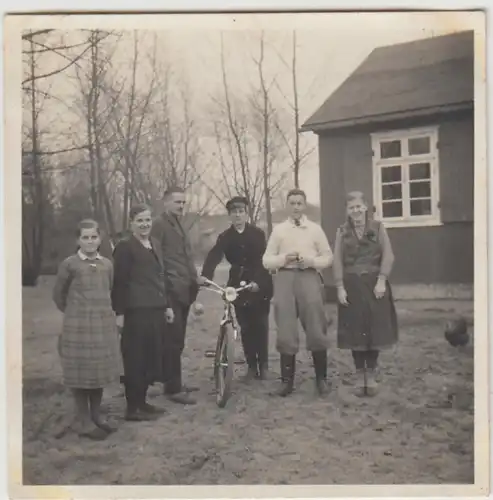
(288, 363)
(320, 365)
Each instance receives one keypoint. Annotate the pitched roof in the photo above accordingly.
(400, 79)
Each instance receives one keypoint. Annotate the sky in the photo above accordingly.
(329, 48)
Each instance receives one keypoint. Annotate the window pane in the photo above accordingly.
(420, 189)
(419, 146)
(421, 207)
(392, 192)
(419, 171)
(391, 174)
(390, 149)
(392, 209)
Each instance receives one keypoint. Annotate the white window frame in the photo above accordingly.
(407, 220)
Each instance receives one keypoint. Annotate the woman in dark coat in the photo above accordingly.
(140, 300)
(363, 260)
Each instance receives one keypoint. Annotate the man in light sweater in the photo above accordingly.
(297, 251)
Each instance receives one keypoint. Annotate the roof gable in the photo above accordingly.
(429, 73)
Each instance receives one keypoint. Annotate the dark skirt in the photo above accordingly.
(141, 345)
(367, 323)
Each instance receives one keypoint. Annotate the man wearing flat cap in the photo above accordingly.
(243, 246)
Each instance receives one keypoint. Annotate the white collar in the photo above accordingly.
(303, 221)
(83, 256)
(238, 231)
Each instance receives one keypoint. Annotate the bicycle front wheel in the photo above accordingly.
(223, 364)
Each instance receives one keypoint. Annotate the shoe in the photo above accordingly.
(151, 409)
(181, 398)
(105, 426)
(139, 416)
(371, 383)
(287, 375)
(360, 386)
(250, 375)
(322, 387)
(95, 434)
(187, 388)
(263, 372)
(320, 366)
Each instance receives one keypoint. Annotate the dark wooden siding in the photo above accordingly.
(433, 255)
(441, 254)
(456, 150)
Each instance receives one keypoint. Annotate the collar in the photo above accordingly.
(303, 221)
(83, 256)
(236, 230)
(172, 216)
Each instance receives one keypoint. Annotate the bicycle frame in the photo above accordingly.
(229, 294)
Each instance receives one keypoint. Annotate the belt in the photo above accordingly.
(296, 269)
(360, 273)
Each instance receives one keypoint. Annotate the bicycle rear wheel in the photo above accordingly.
(224, 364)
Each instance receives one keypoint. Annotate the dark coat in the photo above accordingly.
(244, 252)
(138, 276)
(179, 265)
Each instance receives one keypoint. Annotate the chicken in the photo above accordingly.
(456, 332)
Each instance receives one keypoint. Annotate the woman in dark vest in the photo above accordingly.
(363, 260)
(142, 306)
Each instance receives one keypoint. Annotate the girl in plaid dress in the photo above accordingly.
(88, 344)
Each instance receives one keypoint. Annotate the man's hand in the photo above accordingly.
(342, 296)
(304, 263)
(290, 258)
(201, 280)
(170, 315)
(119, 321)
(254, 287)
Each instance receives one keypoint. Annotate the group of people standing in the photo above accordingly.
(151, 283)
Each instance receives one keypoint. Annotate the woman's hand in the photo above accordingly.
(342, 296)
(119, 321)
(170, 315)
(380, 288)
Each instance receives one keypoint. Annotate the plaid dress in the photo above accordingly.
(88, 345)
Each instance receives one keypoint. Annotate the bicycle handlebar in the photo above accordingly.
(220, 289)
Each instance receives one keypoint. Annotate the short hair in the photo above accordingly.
(87, 224)
(355, 195)
(138, 209)
(173, 189)
(296, 192)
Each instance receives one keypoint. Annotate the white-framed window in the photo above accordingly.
(406, 177)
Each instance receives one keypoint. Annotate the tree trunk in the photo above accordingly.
(296, 120)
(266, 168)
(32, 268)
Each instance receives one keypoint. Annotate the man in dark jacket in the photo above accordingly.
(243, 245)
(181, 280)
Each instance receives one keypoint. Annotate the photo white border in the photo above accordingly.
(12, 224)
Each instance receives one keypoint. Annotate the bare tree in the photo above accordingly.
(92, 82)
(36, 169)
(266, 114)
(295, 153)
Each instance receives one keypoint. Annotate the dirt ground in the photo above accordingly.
(418, 429)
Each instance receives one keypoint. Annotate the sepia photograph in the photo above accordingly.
(247, 254)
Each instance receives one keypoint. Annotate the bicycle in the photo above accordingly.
(224, 356)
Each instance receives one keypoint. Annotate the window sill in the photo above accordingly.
(411, 223)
